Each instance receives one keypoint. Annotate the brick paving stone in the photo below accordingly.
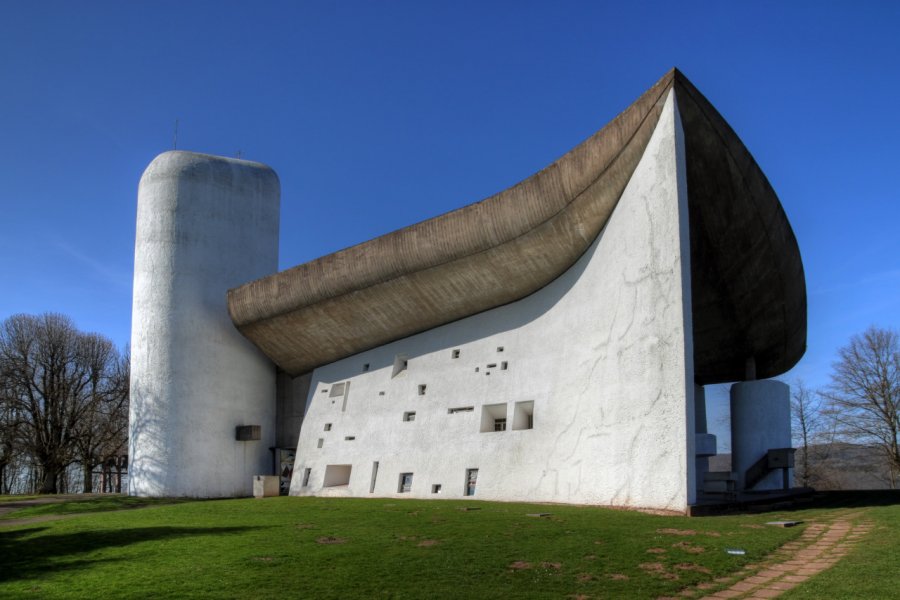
(795, 578)
(783, 585)
(766, 593)
(743, 586)
(758, 580)
(725, 594)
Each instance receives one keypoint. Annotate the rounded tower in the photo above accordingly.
(205, 224)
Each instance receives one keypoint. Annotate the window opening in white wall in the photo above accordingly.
(405, 483)
(422, 388)
(349, 438)
(381, 393)
(306, 473)
(492, 366)
(327, 426)
(503, 365)
(324, 391)
(320, 442)
(374, 476)
(337, 475)
(455, 354)
(365, 367)
(436, 488)
(471, 480)
(409, 416)
(401, 363)
(476, 369)
(523, 415)
(337, 389)
(493, 417)
(499, 348)
(460, 409)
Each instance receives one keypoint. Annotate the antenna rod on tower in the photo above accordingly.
(175, 139)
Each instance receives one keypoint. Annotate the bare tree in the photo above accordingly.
(865, 393)
(52, 376)
(813, 432)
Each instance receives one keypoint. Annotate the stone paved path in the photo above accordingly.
(820, 546)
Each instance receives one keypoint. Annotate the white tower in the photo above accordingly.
(204, 224)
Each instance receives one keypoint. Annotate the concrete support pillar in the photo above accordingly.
(705, 442)
(760, 421)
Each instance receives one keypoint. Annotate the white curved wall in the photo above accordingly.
(204, 224)
(760, 421)
(603, 352)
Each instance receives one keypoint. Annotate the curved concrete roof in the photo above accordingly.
(749, 294)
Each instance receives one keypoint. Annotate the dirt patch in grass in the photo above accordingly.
(552, 565)
(656, 551)
(692, 567)
(689, 548)
(427, 543)
(584, 577)
(520, 565)
(670, 531)
(330, 540)
(618, 577)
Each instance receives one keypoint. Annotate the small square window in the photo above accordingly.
(499, 424)
(455, 354)
(327, 426)
(436, 488)
(499, 348)
(365, 367)
(409, 416)
(503, 365)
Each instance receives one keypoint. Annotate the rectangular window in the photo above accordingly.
(422, 389)
(306, 473)
(409, 416)
(455, 354)
(349, 438)
(493, 417)
(499, 348)
(460, 409)
(436, 488)
(337, 475)
(337, 390)
(503, 365)
(523, 415)
(374, 476)
(471, 480)
(401, 362)
(320, 442)
(365, 367)
(405, 483)
(327, 426)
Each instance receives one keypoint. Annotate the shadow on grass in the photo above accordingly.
(25, 555)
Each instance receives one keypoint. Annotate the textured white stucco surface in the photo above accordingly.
(603, 353)
(760, 421)
(204, 224)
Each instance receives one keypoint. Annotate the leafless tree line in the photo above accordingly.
(63, 404)
(860, 407)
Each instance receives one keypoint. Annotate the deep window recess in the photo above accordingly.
(337, 389)
(349, 438)
(365, 367)
(493, 417)
(454, 354)
(422, 388)
(523, 415)
(401, 362)
(499, 349)
(460, 409)
(374, 476)
(327, 426)
(306, 473)
(405, 484)
(320, 443)
(471, 480)
(409, 416)
(503, 365)
(436, 488)
(336, 475)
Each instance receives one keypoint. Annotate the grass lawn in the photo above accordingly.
(382, 548)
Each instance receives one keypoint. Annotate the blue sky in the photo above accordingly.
(380, 114)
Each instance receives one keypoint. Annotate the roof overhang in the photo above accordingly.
(749, 294)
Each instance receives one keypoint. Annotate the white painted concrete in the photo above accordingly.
(760, 421)
(204, 224)
(601, 358)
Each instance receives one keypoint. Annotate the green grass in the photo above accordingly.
(384, 549)
(76, 505)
